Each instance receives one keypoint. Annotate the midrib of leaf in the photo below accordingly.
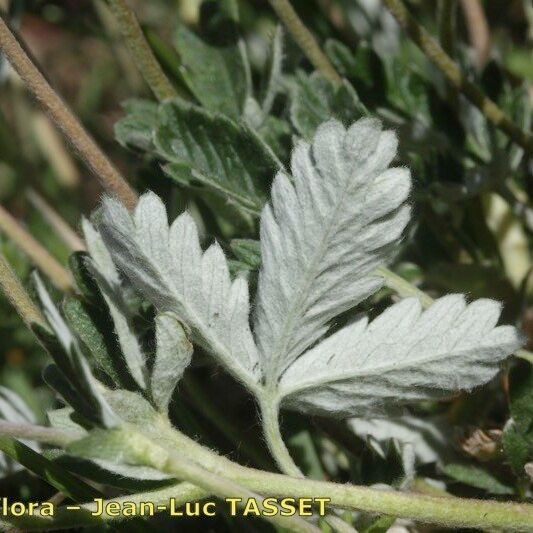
(345, 376)
(282, 344)
(213, 345)
(215, 160)
(245, 202)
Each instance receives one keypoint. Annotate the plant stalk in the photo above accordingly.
(59, 276)
(449, 511)
(140, 50)
(47, 435)
(279, 451)
(427, 44)
(67, 519)
(143, 450)
(58, 110)
(56, 222)
(305, 39)
(403, 288)
(17, 295)
(478, 30)
(455, 77)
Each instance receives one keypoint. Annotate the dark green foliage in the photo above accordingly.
(518, 436)
(246, 95)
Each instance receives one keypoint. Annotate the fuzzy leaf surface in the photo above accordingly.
(215, 65)
(315, 99)
(173, 355)
(327, 228)
(403, 355)
(211, 150)
(168, 266)
(108, 280)
(72, 372)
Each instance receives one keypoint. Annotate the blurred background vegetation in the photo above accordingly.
(473, 220)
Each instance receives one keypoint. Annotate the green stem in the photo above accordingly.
(219, 418)
(524, 354)
(47, 435)
(139, 449)
(56, 222)
(67, 519)
(278, 449)
(305, 39)
(450, 511)
(276, 445)
(141, 51)
(16, 294)
(402, 287)
(455, 77)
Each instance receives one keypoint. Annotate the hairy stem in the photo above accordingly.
(17, 295)
(145, 451)
(56, 222)
(95, 159)
(278, 449)
(218, 416)
(276, 445)
(402, 287)
(47, 435)
(449, 511)
(305, 39)
(59, 276)
(455, 77)
(141, 51)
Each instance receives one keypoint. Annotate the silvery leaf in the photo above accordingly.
(107, 277)
(173, 355)
(329, 225)
(170, 269)
(403, 355)
(70, 359)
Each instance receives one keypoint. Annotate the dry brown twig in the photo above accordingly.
(478, 30)
(96, 160)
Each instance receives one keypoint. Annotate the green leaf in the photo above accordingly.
(57, 381)
(381, 525)
(247, 251)
(477, 477)
(73, 373)
(518, 434)
(80, 321)
(136, 129)
(363, 68)
(214, 65)
(83, 278)
(315, 99)
(209, 149)
(122, 445)
(521, 396)
(55, 475)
